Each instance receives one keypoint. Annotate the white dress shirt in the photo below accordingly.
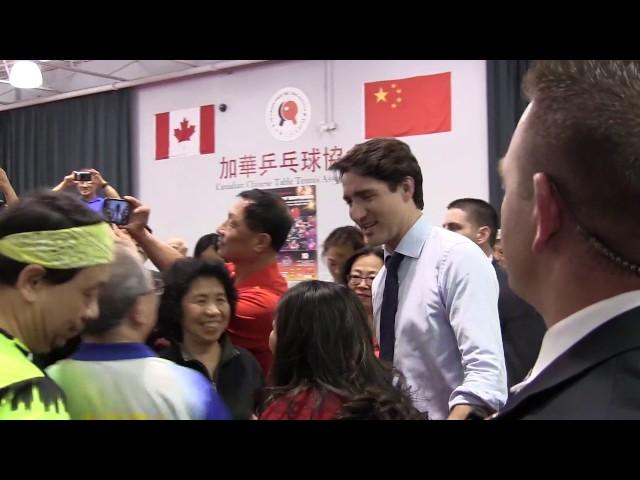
(566, 333)
(448, 341)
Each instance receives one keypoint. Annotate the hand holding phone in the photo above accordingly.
(116, 211)
(82, 176)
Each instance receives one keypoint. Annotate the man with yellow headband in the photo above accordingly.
(54, 256)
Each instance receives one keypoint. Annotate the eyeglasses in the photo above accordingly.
(355, 280)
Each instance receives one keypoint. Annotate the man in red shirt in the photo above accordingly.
(256, 227)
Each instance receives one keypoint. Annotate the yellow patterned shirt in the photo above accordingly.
(26, 393)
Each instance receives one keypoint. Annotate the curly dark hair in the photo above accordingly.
(324, 343)
(177, 281)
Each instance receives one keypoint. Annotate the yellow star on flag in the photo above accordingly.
(381, 95)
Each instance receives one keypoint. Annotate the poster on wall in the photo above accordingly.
(298, 258)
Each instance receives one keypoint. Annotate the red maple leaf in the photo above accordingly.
(184, 133)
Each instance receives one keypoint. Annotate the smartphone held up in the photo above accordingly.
(116, 211)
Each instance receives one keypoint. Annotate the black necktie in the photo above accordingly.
(389, 307)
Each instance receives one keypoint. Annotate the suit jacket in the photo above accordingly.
(598, 378)
(522, 330)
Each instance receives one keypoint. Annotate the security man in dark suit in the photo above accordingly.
(571, 238)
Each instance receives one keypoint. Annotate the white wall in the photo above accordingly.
(182, 191)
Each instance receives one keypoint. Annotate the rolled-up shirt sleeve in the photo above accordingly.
(469, 288)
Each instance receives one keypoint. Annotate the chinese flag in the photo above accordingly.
(408, 106)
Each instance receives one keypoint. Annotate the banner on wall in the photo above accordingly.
(408, 106)
(186, 132)
(298, 258)
(287, 117)
(278, 169)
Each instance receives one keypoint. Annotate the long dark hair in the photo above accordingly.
(324, 343)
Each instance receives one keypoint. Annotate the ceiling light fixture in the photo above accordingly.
(25, 74)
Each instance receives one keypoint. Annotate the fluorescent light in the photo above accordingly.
(25, 74)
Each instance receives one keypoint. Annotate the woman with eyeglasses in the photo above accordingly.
(359, 271)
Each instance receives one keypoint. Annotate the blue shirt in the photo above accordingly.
(127, 381)
(448, 341)
(95, 204)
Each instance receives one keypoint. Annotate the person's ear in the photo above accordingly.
(482, 235)
(30, 282)
(136, 313)
(407, 187)
(547, 212)
(262, 243)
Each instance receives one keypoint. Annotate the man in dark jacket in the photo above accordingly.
(572, 239)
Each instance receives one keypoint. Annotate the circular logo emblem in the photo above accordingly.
(288, 114)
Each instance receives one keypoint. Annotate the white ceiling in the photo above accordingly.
(61, 76)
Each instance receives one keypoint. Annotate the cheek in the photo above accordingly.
(235, 242)
(381, 214)
(510, 230)
(505, 210)
(189, 315)
(234, 236)
(73, 307)
(57, 322)
(226, 314)
(516, 244)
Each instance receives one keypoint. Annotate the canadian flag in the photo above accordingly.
(185, 132)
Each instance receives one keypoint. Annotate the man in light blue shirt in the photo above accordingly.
(444, 336)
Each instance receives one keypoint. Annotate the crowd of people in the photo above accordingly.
(530, 317)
